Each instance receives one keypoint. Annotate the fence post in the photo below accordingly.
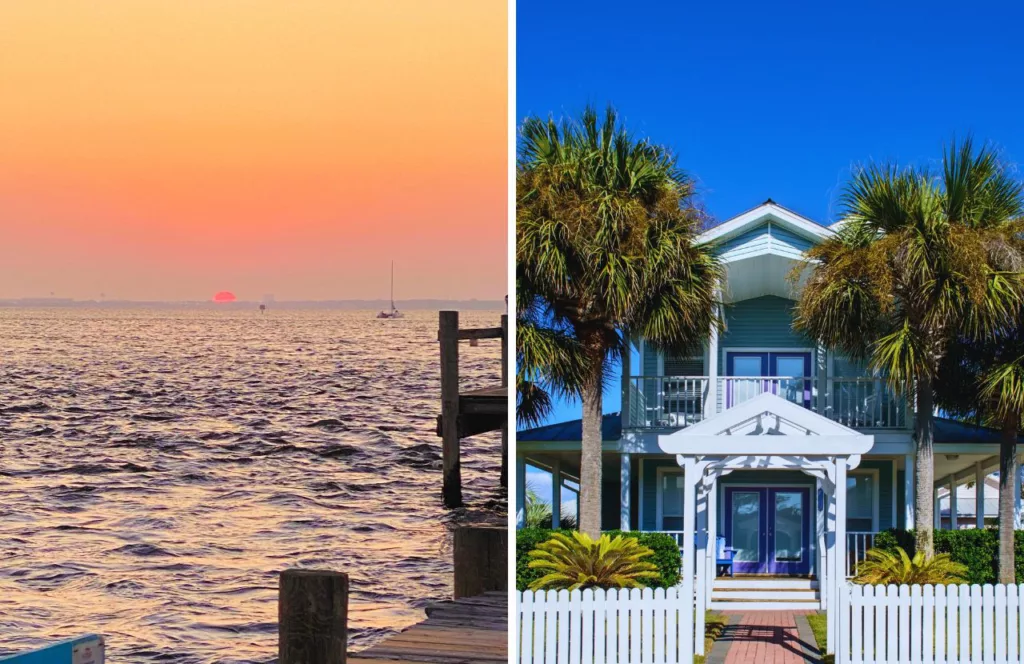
(448, 336)
(480, 560)
(312, 617)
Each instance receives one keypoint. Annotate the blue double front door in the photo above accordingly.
(787, 374)
(769, 528)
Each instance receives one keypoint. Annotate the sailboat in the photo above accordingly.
(394, 313)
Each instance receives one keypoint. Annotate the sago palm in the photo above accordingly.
(918, 261)
(605, 252)
(881, 567)
(580, 562)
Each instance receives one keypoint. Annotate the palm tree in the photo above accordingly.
(605, 252)
(992, 371)
(917, 262)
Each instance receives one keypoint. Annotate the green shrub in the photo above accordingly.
(977, 549)
(666, 555)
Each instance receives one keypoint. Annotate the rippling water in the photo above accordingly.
(159, 467)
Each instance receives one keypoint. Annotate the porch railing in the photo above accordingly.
(857, 545)
(668, 402)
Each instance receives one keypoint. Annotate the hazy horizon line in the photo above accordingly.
(350, 303)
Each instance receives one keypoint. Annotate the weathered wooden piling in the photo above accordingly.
(312, 617)
(468, 413)
(480, 560)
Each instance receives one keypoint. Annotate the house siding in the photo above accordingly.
(762, 322)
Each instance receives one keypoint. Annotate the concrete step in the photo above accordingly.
(755, 605)
(764, 594)
(749, 583)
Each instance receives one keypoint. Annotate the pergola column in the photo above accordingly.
(556, 494)
(625, 491)
(689, 464)
(840, 548)
(700, 566)
(979, 496)
(520, 491)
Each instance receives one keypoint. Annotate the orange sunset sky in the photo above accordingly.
(156, 150)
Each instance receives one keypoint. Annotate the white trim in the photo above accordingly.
(766, 211)
(659, 496)
(894, 494)
(640, 497)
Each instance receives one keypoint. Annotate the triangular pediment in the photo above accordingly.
(766, 424)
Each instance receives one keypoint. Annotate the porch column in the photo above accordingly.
(556, 494)
(952, 502)
(828, 584)
(937, 521)
(1017, 516)
(627, 371)
(520, 491)
(710, 564)
(979, 497)
(686, 644)
(625, 484)
(908, 491)
(840, 577)
(711, 404)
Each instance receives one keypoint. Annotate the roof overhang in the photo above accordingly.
(766, 211)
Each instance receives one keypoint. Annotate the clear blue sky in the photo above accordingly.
(778, 100)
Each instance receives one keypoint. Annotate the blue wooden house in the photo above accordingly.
(795, 454)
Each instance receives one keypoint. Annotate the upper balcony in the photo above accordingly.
(667, 402)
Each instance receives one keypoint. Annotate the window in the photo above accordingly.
(670, 503)
(860, 502)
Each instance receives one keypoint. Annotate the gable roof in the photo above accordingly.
(769, 210)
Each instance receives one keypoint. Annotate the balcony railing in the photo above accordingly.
(668, 402)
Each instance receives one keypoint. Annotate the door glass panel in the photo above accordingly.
(790, 389)
(746, 526)
(746, 366)
(789, 526)
(745, 388)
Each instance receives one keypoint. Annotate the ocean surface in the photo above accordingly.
(158, 468)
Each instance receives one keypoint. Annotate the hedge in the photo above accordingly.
(666, 555)
(977, 549)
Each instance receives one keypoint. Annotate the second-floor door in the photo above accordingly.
(785, 373)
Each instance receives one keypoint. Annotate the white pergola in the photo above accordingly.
(764, 433)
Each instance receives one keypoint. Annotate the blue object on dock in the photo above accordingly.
(86, 649)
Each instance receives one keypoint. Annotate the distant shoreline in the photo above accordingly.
(401, 305)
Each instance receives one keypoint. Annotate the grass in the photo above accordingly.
(714, 625)
(817, 621)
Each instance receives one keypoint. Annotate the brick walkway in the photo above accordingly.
(766, 637)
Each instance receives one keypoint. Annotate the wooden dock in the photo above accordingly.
(472, 412)
(461, 631)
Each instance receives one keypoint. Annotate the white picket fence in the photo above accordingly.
(613, 626)
(913, 624)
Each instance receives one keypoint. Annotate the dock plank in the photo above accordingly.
(465, 631)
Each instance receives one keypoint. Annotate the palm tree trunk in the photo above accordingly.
(1007, 476)
(924, 469)
(590, 457)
